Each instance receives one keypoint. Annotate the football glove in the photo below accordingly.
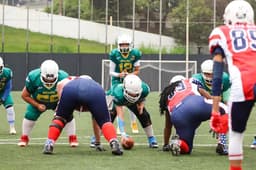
(219, 123)
(224, 123)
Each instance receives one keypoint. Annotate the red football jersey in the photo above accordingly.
(239, 45)
(184, 89)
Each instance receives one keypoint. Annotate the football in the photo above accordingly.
(127, 142)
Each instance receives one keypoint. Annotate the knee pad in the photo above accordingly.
(58, 122)
(144, 118)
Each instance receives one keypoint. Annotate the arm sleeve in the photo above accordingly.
(7, 90)
(112, 70)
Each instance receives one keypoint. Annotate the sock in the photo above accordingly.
(222, 138)
(235, 168)
(10, 116)
(55, 129)
(149, 131)
(27, 126)
(71, 127)
(109, 132)
(184, 147)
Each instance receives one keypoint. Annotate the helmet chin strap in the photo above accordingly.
(49, 85)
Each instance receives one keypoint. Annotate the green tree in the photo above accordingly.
(200, 22)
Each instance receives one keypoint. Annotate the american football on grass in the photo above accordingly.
(127, 142)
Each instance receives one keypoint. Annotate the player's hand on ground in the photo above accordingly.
(99, 147)
(166, 148)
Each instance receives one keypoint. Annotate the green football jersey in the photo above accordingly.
(118, 94)
(225, 85)
(4, 78)
(39, 92)
(124, 63)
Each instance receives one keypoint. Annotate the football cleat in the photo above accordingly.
(115, 147)
(253, 145)
(23, 141)
(92, 142)
(134, 127)
(152, 142)
(48, 146)
(99, 147)
(175, 145)
(73, 141)
(221, 149)
(12, 131)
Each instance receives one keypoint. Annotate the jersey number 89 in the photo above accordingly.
(240, 42)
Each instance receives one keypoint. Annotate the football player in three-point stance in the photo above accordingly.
(205, 79)
(82, 94)
(5, 95)
(40, 93)
(185, 106)
(132, 93)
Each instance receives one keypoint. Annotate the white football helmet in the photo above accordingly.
(1, 65)
(207, 68)
(124, 39)
(238, 11)
(49, 73)
(132, 88)
(85, 76)
(177, 78)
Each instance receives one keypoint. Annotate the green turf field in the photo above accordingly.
(203, 156)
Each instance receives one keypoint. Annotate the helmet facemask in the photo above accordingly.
(207, 71)
(124, 44)
(124, 48)
(49, 73)
(207, 78)
(132, 88)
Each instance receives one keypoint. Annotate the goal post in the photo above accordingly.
(150, 71)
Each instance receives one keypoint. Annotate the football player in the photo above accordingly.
(185, 107)
(132, 94)
(124, 60)
(5, 95)
(205, 79)
(235, 41)
(40, 93)
(82, 94)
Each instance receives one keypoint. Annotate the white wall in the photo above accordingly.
(68, 27)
